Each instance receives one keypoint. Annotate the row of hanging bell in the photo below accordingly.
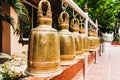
(48, 49)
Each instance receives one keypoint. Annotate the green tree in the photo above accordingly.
(102, 10)
(22, 12)
(116, 36)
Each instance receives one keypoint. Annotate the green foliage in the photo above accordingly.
(102, 10)
(8, 19)
(22, 12)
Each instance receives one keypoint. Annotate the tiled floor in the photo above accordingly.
(108, 67)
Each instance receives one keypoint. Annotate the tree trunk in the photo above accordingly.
(116, 33)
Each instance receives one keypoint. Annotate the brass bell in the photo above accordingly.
(77, 37)
(44, 48)
(85, 38)
(92, 39)
(97, 39)
(67, 43)
(86, 44)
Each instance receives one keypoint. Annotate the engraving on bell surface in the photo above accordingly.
(67, 41)
(43, 40)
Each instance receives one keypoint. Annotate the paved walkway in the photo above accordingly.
(108, 67)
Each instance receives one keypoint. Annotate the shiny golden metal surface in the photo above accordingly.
(85, 44)
(77, 37)
(44, 48)
(67, 43)
(97, 39)
(85, 38)
(92, 39)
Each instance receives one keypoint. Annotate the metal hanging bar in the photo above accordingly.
(64, 6)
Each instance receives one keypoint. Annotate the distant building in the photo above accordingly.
(108, 37)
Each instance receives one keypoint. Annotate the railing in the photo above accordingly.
(79, 11)
(83, 14)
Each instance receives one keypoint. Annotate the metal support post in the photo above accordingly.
(96, 56)
(100, 49)
(85, 66)
(103, 47)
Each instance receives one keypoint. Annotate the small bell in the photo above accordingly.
(92, 40)
(85, 38)
(44, 48)
(67, 43)
(97, 39)
(77, 37)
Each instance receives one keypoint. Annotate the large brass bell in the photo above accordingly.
(85, 38)
(78, 39)
(67, 43)
(44, 48)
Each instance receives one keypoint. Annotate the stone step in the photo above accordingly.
(4, 57)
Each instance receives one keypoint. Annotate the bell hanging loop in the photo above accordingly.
(44, 13)
(63, 20)
(75, 24)
(81, 27)
(40, 10)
